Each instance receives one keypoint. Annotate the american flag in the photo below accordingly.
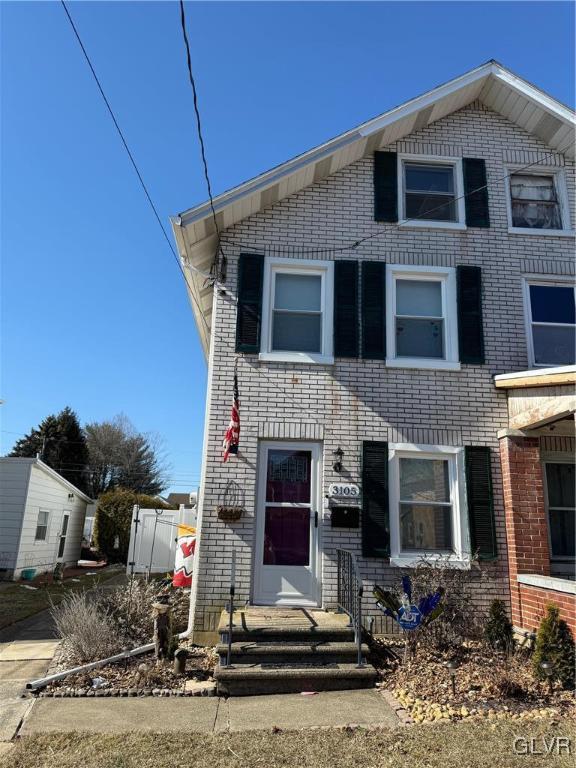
(232, 436)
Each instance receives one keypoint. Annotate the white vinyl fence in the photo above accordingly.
(153, 537)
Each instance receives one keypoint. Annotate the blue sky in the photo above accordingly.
(94, 310)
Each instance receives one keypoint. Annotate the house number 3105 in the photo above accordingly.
(346, 490)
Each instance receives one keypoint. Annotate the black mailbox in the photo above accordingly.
(345, 517)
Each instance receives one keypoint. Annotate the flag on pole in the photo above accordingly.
(232, 436)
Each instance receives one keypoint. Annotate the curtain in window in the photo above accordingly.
(534, 202)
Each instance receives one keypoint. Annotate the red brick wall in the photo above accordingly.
(525, 515)
(533, 602)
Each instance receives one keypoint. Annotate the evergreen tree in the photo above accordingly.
(60, 442)
(498, 632)
(554, 643)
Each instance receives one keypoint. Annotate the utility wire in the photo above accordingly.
(392, 225)
(198, 121)
(134, 165)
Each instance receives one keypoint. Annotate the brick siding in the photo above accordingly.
(356, 400)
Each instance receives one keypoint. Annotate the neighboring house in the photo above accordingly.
(374, 295)
(41, 517)
(189, 500)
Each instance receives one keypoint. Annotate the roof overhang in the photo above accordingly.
(497, 87)
(541, 401)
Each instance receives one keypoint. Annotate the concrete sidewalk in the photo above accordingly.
(210, 715)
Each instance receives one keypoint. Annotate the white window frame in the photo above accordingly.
(324, 269)
(561, 193)
(561, 565)
(456, 163)
(461, 557)
(556, 281)
(47, 512)
(447, 278)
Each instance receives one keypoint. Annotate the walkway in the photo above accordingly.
(366, 708)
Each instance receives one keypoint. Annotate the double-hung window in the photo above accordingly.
(297, 311)
(551, 322)
(560, 479)
(537, 202)
(41, 525)
(430, 191)
(422, 317)
(426, 501)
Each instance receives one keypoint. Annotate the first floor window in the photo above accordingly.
(560, 479)
(551, 311)
(426, 517)
(425, 505)
(41, 525)
(534, 201)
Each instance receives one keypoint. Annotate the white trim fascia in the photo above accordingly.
(535, 373)
(456, 163)
(364, 130)
(547, 582)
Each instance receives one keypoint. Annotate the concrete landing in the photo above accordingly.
(210, 715)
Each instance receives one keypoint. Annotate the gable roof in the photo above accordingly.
(497, 87)
(49, 471)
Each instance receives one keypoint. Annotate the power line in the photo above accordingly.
(134, 165)
(198, 121)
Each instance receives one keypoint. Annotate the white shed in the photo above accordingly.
(41, 517)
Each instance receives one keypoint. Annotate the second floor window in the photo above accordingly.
(534, 201)
(551, 318)
(297, 311)
(421, 325)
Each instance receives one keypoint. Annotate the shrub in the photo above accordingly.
(554, 643)
(114, 519)
(102, 622)
(498, 632)
(88, 632)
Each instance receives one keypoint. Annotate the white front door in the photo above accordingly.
(288, 511)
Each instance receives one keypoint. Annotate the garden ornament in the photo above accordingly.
(404, 612)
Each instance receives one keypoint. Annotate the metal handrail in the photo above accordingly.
(349, 595)
(231, 608)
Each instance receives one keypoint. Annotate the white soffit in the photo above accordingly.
(497, 87)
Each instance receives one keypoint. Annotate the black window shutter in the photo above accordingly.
(480, 502)
(248, 317)
(375, 514)
(385, 186)
(476, 202)
(346, 326)
(373, 310)
(470, 326)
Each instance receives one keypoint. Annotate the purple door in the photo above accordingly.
(287, 525)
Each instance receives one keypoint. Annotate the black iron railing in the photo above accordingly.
(231, 608)
(350, 591)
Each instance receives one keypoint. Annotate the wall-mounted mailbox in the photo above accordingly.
(345, 517)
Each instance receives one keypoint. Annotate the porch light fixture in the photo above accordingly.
(452, 666)
(338, 454)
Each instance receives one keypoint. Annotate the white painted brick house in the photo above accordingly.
(368, 293)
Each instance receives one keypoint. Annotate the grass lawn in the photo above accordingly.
(461, 745)
(17, 602)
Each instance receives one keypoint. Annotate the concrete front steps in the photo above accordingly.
(279, 650)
